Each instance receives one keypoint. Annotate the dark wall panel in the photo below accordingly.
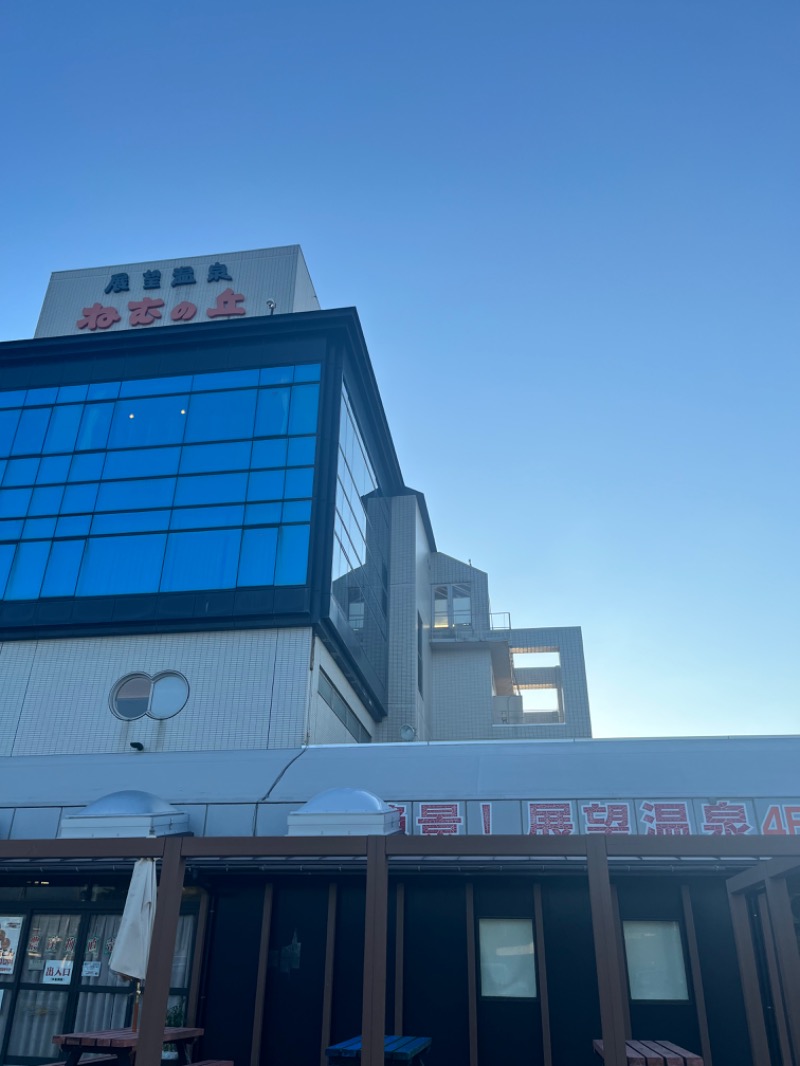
(295, 974)
(571, 971)
(435, 972)
(348, 968)
(727, 1026)
(231, 969)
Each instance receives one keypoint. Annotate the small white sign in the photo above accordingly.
(91, 969)
(35, 964)
(57, 972)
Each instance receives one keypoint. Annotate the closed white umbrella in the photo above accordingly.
(132, 944)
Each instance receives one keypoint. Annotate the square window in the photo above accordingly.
(656, 968)
(508, 959)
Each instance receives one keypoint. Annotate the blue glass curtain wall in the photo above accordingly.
(168, 484)
(360, 545)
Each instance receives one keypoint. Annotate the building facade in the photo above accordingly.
(206, 539)
(229, 643)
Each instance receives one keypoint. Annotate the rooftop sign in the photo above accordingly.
(173, 292)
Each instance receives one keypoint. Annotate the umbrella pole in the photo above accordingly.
(136, 998)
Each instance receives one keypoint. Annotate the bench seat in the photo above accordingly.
(654, 1053)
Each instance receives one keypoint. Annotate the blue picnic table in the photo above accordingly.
(395, 1049)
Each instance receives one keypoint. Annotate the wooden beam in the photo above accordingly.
(606, 956)
(785, 938)
(779, 1010)
(399, 956)
(472, 974)
(159, 965)
(197, 959)
(541, 975)
(697, 975)
(260, 991)
(373, 1003)
(327, 988)
(748, 972)
(623, 964)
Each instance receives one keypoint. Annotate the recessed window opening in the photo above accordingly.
(452, 606)
(656, 966)
(541, 698)
(546, 659)
(507, 958)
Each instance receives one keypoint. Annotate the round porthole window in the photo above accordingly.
(159, 697)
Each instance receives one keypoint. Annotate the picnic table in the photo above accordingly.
(654, 1053)
(395, 1049)
(121, 1043)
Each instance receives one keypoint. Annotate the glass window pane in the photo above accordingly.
(130, 522)
(257, 561)
(656, 969)
(20, 472)
(158, 420)
(98, 1011)
(10, 528)
(297, 511)
(72, 393)
(53, 470)
(73, 526)
(221, 416)
(268, 453)
(303, 417)
(201, 560)
(31, 431)
(225, 379)
(14, 502)
(95, 424)
(307, 372)
(38, 397)
(38, 1014)
(292, 561)
(272, 417)
(301, 451)
(206, 458)
(6, 559)
(508, 966)
(277, 375)
(145, 462)
(12, 399)
(102, 927)
(202, 517)
(63, 567)
(9, 420)
(128, 495)
(266, 485)
(46, 500)
(116, 565)
(87, 467)
(79, 499)
(27, 572)
(36, 528)
(104, 390)
(258, 514)
(156, 386)
(210, 488)
(299, 483)
(63, 429)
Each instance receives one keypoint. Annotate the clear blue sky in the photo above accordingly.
(571, 230)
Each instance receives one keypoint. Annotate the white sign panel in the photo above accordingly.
(57, 972)
(176, 292)
(650, 816)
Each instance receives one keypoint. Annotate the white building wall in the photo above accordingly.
(409, 594)
(247, 689)
(324, 726)
(462, 693)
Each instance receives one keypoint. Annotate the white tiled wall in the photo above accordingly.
(248, 689)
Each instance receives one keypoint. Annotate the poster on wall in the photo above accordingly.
(57, 972)
(9, 939)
